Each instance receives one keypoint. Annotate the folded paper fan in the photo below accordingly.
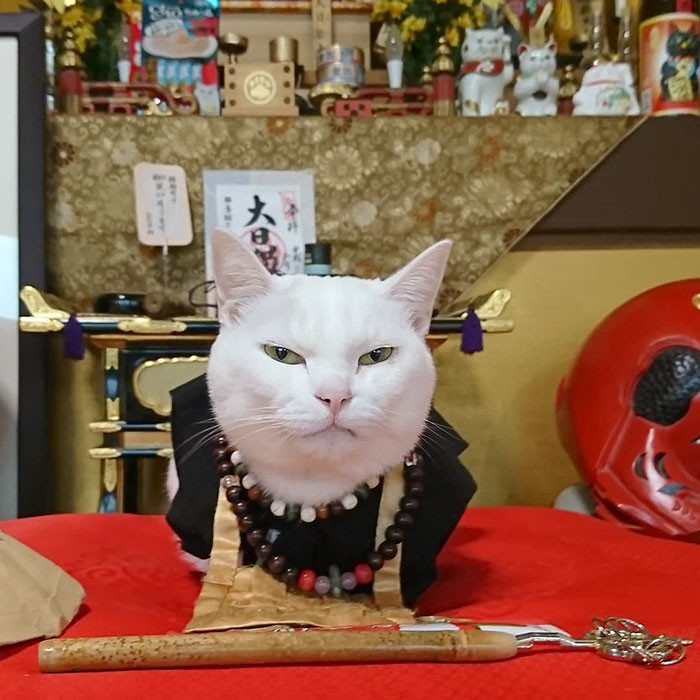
(37, 598)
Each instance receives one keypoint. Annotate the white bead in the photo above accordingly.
(248, 481)
(236, 458)
(308, 514)
(228, 481)
(373, 482)
(349, 501)
(277, 508)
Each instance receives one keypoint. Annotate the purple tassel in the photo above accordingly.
(73, 339)
(472, 334)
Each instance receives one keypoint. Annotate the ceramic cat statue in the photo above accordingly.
(537, 87)
(607, 89)
(486, 70)
(318, 391)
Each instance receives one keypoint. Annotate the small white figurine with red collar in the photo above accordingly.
(486, 70)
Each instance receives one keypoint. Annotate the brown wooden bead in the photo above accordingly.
(387, 550)
(220, 453)
(220, 441)
(414, 488)
(415, 473)
(265, 501)
(254, 493)
(224, 468)
(409, 504)
(234, 494)
(403, 519)
(337, 508)
(289, 576)
(394, 534)
(241, 507)
(263, 552)
(277, 563)
(375, 561)
(255, 537)
(322, 512)
(246, 523)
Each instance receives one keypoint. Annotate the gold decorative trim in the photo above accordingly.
(105, 452)
(149, 326)
(111, 358)
(38, 306)
(498, 325)
(165, 427)
(696, 301)
(36, 324)
(110, 475)
(159, 400)
(166, 452)
(106, 426)
(112, 407)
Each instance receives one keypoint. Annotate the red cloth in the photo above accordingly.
(502, 564)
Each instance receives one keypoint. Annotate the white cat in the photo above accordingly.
(486, 70)
(537, 88)
(321, 382)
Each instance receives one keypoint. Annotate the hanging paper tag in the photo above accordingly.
(162, 206)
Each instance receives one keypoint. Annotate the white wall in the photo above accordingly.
(9, 282)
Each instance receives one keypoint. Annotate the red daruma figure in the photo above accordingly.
(628, 412)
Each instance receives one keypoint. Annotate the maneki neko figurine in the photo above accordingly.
(537, 87)
(486, 70)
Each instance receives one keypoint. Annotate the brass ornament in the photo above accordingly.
(37, 305)
(30, 324)
(105, 453)
(696, 301)
(153, 380)
(106, 426)
(145, 325)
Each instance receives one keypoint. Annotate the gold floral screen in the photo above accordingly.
(385, 188)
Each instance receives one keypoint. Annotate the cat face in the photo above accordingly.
(322, 383)
(538, 58)
(481, 44)
(680, 43)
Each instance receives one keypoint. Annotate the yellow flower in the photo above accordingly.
(468, 3)
(452, 36)
(379, 9)
(129, 8)
(440, 2)
(479, 16)
(397, 8)
(411, 26)
(84, 36)
(465, 21)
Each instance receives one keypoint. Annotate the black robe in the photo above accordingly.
(343, 540)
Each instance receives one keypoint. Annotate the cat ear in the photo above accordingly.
(417, 284)
(239, 276)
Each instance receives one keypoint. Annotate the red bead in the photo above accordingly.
(363, 573)
(307, 580)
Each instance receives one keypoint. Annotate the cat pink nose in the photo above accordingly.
(334, 400)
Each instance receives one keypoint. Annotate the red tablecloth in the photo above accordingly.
(502, 564)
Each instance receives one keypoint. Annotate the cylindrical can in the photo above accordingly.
(669, 47)
(341, 64)
(284, 49)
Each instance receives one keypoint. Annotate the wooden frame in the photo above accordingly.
(27, 185)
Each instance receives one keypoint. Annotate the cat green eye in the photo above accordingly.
(375, 356)
(283, 355)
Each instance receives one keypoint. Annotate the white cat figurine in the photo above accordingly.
(537, 87)
(607, 89)
(322, 383)
(486, 70)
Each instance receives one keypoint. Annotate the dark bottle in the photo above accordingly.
(669, 56)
